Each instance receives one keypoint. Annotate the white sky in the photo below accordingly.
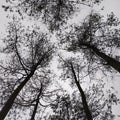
(109, 6)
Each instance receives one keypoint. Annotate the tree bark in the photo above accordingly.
(12, 97)
(85, 105)
(36, 105)
(110, 61)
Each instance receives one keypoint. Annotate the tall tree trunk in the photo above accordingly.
(12, 97)
(110, 61)
(36, 105)
(85, 105)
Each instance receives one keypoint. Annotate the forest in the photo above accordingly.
(59, 60)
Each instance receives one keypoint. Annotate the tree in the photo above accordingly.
(75, 71)
(38, 52)
(34, 99)
(68, 107)
(84, 102)
(71, 70)
(94, 37)
(54, 13)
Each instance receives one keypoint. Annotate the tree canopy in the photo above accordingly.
(38, 65)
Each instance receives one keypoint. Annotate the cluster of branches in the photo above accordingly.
(54, 13)
(68, 107)
(28, 55)
(96, 38)
(26, 75)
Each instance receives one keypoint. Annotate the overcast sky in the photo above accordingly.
(109, 6)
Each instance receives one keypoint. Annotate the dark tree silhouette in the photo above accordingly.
(85, 105)
(73, 70)
(30, 51)
(33, 99)
(54, 13)
(95, 37)
(70, 67)
(39, 52)
(68, 107)
(36, 104)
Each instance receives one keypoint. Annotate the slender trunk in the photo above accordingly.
(85, 105)
(12, 97)
(110, 61)
(36, 105)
